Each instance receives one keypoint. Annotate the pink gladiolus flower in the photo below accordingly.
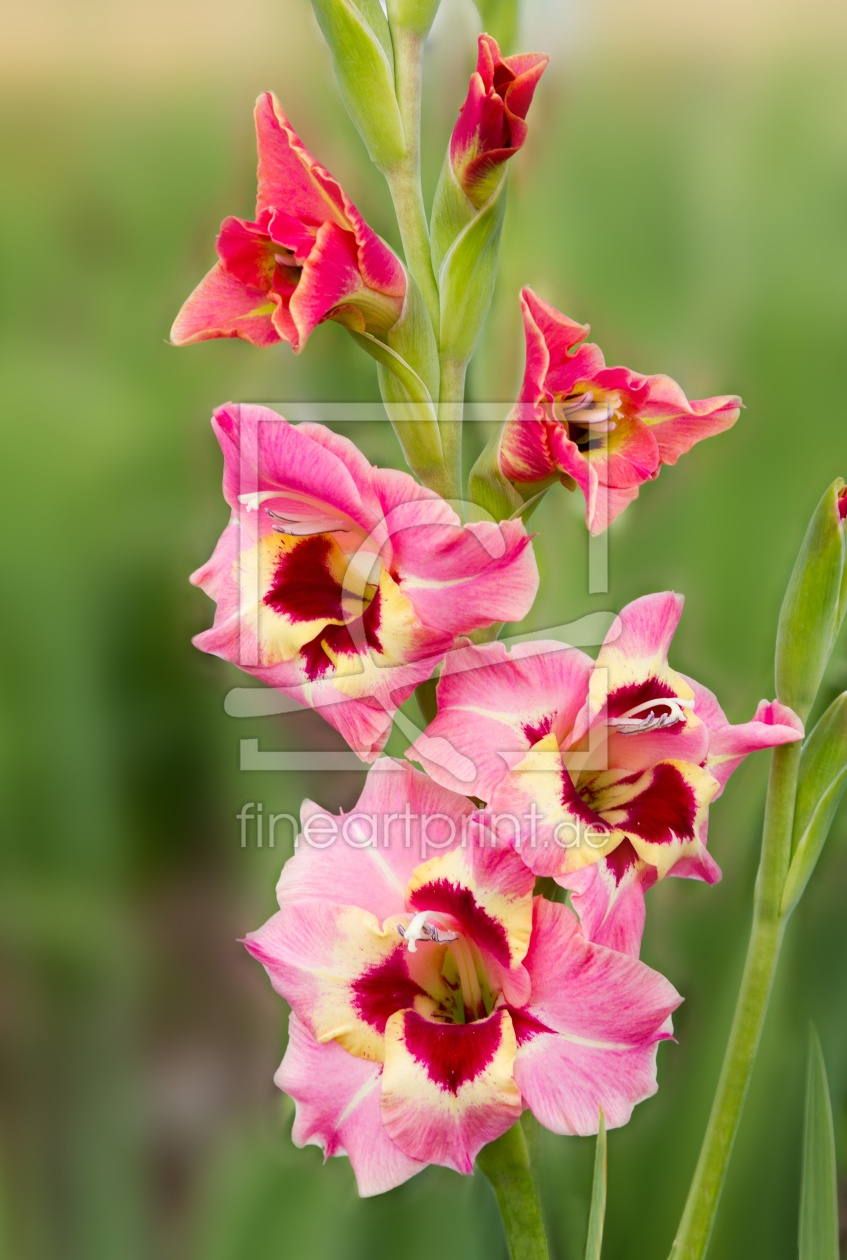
(607, 429)
(492, 123)
(600, 773)
(342, 584)
(309, 256)
(433, 998)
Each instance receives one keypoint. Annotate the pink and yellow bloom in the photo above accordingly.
(309, 255)
(601, 773)
(342, 584)
(434, 998)
(607, 429)
(492, 123)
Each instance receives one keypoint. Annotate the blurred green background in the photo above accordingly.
(685, 190)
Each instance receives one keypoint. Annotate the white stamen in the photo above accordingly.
(255, 498)
(303, 527)
(597, 417)
(631, 724)
(420, 930)
(300, 526)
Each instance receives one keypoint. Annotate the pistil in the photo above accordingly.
(468, 979)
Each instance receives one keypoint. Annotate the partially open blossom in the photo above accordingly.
(433, 998)
(342, 584)
(600, 772)
(309, 256)
(605, 428)
(492, 124)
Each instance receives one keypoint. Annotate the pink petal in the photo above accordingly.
(368, 856)
(221, 306)
(263, 452)
(448, 1089)
(286, 174)
(550, 339)
(588, 1038)
(340, 972)
(337, 1099)
(609, 898)
(525, 453)
(461, 578)
(678, 424)
(639, 645)
(331, 277)
(494, 704)
(293, 181)
(773, 724)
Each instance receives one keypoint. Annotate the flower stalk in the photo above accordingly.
(404, 177)
(506, 1165)
(451, 405)
(763, 952)
(808, 624)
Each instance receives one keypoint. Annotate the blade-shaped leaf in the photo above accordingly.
(822, 780)
(597, 1215)
(818, 1234)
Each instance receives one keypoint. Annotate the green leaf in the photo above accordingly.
(810, 616)
(821, 784)
(365, 72)
(597, 1215)
(818, 1232)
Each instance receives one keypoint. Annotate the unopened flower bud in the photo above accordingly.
(814, 604)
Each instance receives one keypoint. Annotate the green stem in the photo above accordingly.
(451, 403)
(506, 1165)
(404, 179)
(762, 957)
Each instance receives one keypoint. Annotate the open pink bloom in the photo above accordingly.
(606, 428)
(309, 256)
(492, 123)
(433, 998)
(600, 772)
(342, 584)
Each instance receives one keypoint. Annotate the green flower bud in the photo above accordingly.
(813, 607)
(821, 782)
(488, 489)
(414, 15)
(466, 278)
(362, 52)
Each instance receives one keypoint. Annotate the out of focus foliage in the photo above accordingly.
(696, 218)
